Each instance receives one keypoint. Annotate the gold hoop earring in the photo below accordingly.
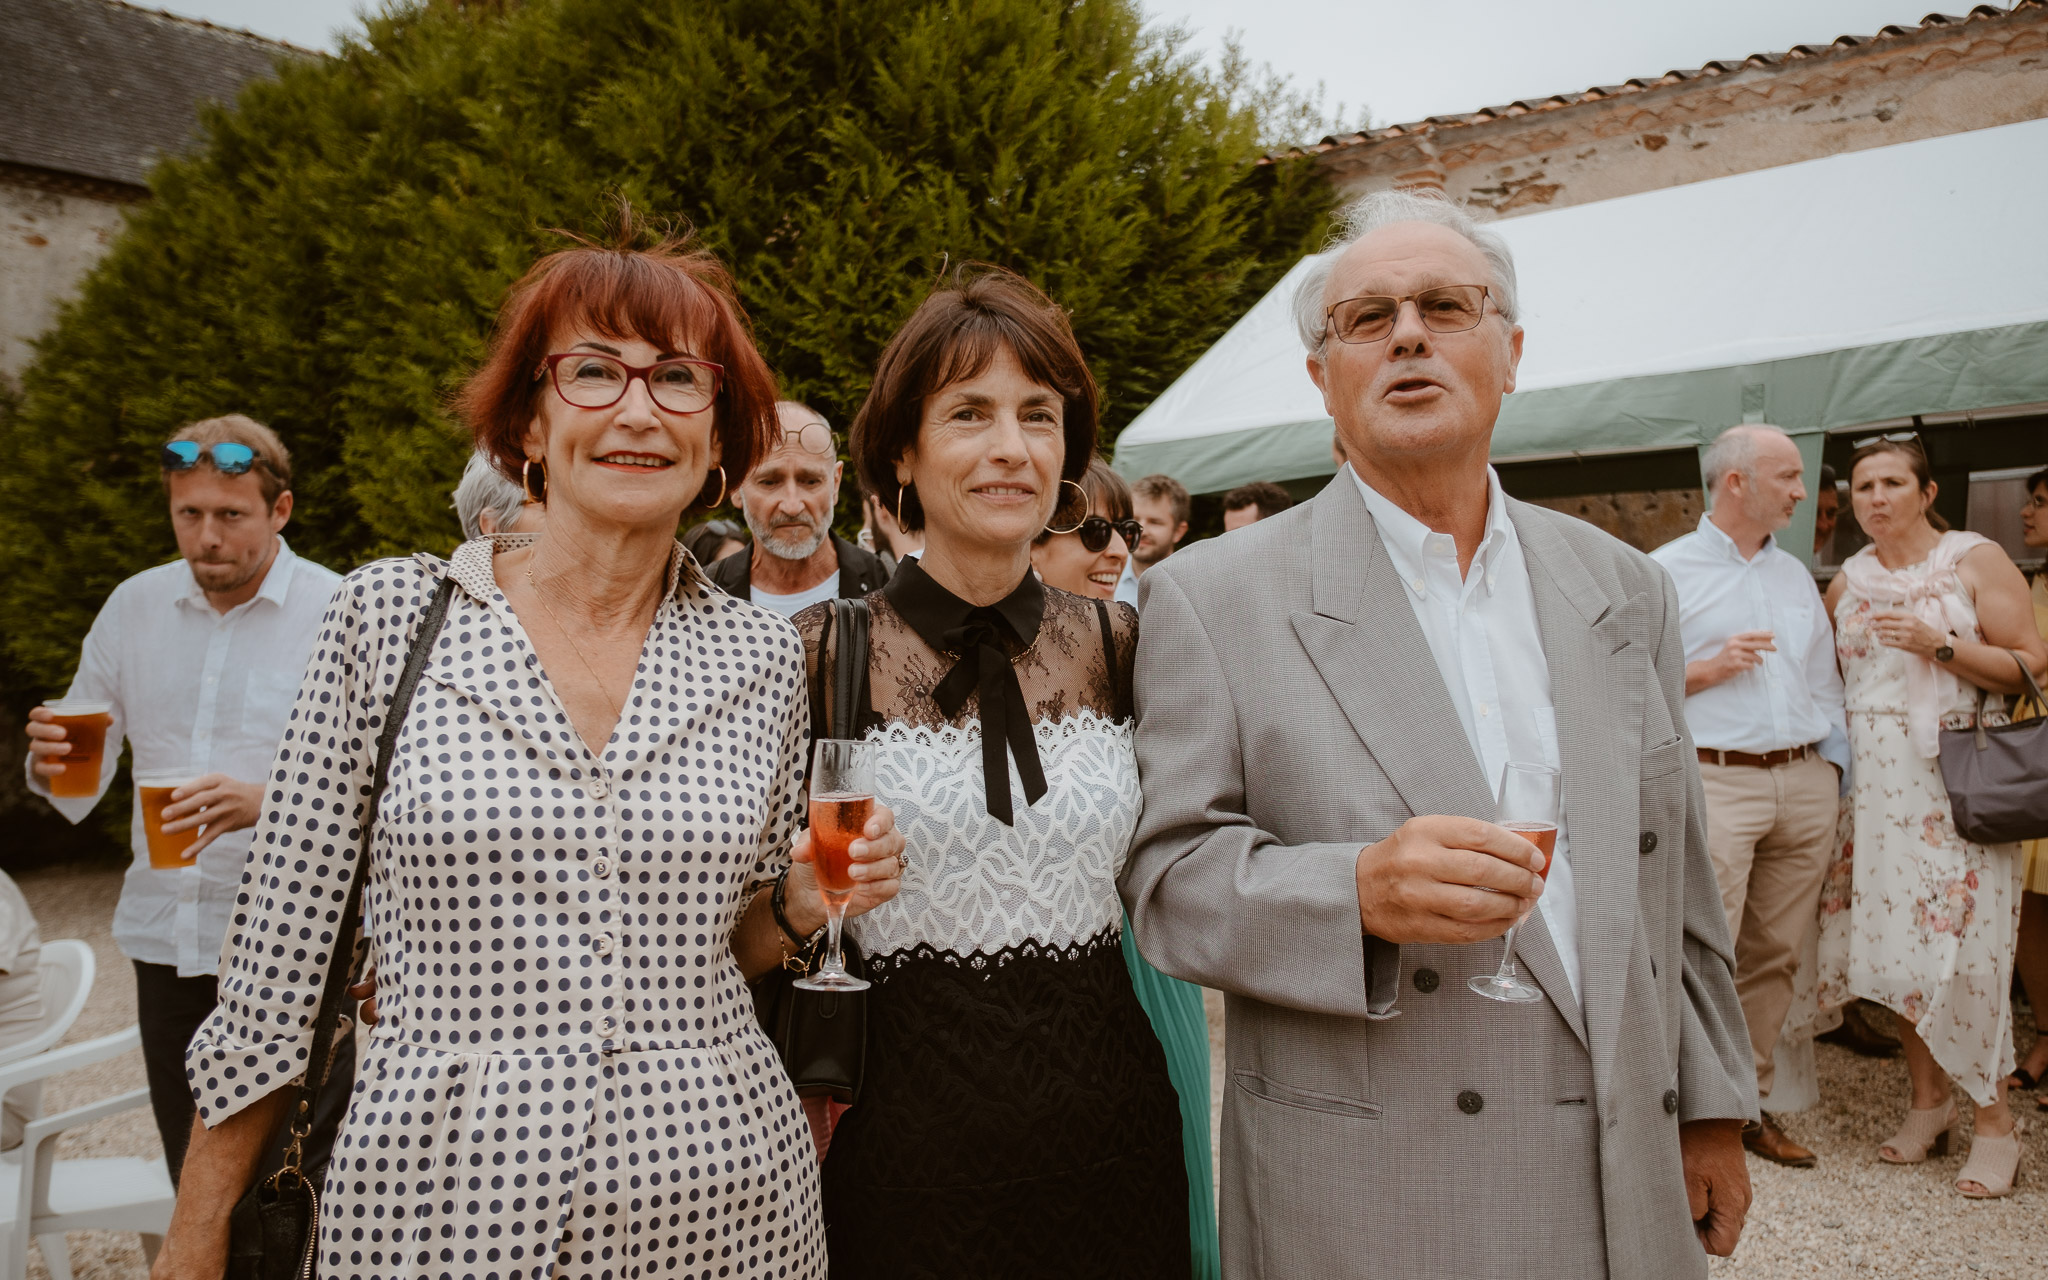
(536, 486)
(720, 499)
(901, 489)
(1084, 509)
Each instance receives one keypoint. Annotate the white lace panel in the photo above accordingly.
(971, 884)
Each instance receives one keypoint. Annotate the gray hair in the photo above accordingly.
(485, 488)
(1734, 450)
(1383, 209)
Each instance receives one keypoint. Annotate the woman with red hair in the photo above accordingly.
(589, 840)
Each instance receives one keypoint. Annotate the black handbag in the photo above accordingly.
(822, 1036)
(1997, 777)
(274, 1230)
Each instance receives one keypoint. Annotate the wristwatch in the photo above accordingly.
(1945, 653)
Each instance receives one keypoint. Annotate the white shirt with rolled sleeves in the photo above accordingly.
(197, 690)
(1482, 631)
(1793, 698)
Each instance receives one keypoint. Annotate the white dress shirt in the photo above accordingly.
(1482, 631)
(198, 691)
(1794, 697)
(1127, 585)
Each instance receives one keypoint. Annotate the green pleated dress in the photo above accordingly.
(1178, 1019)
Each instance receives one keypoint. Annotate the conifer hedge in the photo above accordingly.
(330, 259)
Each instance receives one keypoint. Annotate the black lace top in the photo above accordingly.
(1016, 1118)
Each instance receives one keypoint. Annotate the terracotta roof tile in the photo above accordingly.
(1677, 75)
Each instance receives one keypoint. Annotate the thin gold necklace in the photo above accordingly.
(618, 705)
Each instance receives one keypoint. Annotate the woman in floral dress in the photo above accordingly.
(1924, 618)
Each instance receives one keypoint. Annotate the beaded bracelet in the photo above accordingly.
(799, 960)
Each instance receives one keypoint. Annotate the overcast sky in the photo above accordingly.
(1401, 59)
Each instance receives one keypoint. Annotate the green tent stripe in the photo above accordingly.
(1946, 373)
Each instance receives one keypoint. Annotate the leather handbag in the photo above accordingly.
(274, 1230)
(822, 1036)
(1997, 777)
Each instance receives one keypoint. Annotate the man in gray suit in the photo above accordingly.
(1325, 702)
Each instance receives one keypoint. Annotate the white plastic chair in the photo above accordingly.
(52, 1196)
(49, 1196)
(68, 967)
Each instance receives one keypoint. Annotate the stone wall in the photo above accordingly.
(1645, 520)
(52, 230)
(1725, 118)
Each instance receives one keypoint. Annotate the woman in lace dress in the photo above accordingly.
(600, 772)
(1016, 1118)
(1923, 619)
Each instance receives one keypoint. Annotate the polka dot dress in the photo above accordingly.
(567, 1080)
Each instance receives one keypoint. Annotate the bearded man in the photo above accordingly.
(788, 500)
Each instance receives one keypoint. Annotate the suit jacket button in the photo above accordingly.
(1426, 980)
(1470, 1102)
(1648, 843)
(1671, 1102)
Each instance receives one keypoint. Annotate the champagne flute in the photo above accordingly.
(1528, 807)
(842, 801)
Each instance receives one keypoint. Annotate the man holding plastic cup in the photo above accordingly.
(196, 664)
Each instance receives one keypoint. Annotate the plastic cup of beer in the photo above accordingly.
(85, 727)
(166, 852)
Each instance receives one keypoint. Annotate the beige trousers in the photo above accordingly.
(1769, 832)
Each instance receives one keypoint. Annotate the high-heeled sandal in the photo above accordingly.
(1933, 1130)
(2024, 1081)
(1994, 1164)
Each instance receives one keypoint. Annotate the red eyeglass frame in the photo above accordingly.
(549, 364)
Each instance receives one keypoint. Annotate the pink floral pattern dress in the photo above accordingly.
(1925, 922)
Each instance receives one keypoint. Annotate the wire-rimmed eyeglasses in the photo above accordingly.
(1449, 308)
(588, 380)
(812, 437)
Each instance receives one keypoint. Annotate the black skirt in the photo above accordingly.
(1015, 1120)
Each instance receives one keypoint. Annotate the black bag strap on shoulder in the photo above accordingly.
(1116, 670)
(849, 668)
(333, 999)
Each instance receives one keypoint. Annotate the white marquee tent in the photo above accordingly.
(1863, 287)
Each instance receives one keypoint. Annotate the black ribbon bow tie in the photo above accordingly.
(984, 668)
(978, 634)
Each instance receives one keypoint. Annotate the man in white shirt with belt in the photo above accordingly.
(1764, 703)
(200, 660)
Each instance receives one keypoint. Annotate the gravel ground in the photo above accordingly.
(1853, 1215)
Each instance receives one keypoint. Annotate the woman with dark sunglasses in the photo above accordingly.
(1089, 541)
(1083, 551)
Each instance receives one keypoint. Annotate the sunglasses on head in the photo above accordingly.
(1095, 530)
(1890, 437)
(229, 458)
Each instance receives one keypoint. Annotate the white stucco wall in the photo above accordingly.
(48, 240)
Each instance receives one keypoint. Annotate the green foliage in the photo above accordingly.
(330, 260)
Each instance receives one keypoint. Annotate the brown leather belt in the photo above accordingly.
(1768, 760)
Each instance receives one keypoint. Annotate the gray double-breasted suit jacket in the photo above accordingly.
(1379, 1118)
